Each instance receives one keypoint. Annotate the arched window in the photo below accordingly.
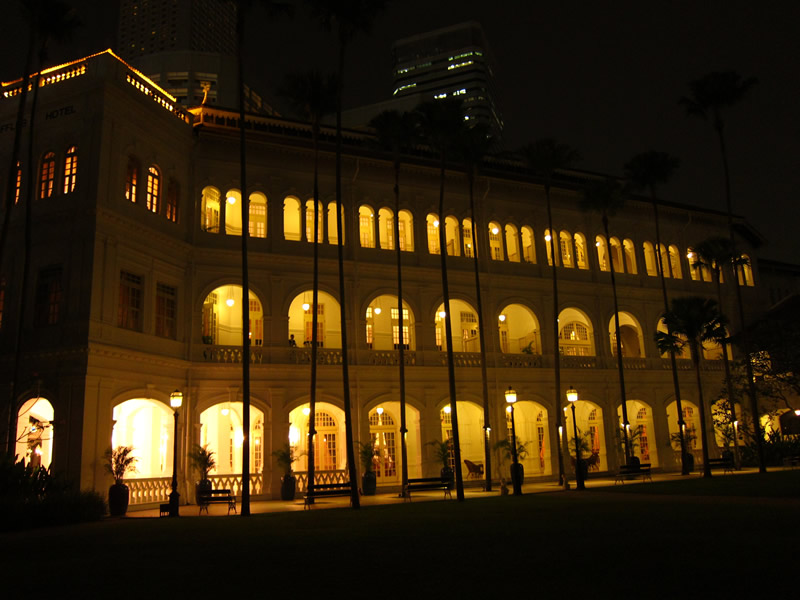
(512, 243)
(386, 229)
(210, 210)
(291, 219)
(451, 236)
(131, 179)
(173, 197)
(675, 262)
(663, 256)
(257, 225)
(602, 253)
(565, 244)
(650, 259)
(406, 227)
(466, 234)
(616, 255)
(694, 270)
(366, 226)
(548, 248)
(233, 213)
(70, 169)
(519, 330)
(432, 222)
(580, 251)
(528, 249)
(495, 241)
(630, 256)
(153, 189)
(47, 176)
(310, 221)
(35, 432)
(222, 317)
(333, 227)
(745, 270)
(630, 336)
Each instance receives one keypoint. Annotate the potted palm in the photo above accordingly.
(119, 462)
(369, 481)
(504, 447)
(441, 452)
(203, 460)
(285, 457)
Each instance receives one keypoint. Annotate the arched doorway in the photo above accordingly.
(518, 330)
(384, 429)
(330, 454)
(222, 317)
(641, 432)
(530, 421)
(589, 417)
(35, 433)
(383, 324)
(301, 320)
(691, 418)
(631, 336)
(147, 425)
(575, 333)
(221, 429)
(470, 433)
(464, 323)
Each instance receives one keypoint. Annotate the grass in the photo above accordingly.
(676, 540)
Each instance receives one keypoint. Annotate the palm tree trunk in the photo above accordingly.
(245, 277)
(352, 467)
(751, 386)
(672, 359)
(312, 413)
(400, 336)
(620, 366)
(451, 370)
(562, 479)
(701, 407)
(487, 452)
(727, 365)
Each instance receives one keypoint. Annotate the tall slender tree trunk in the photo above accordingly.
(562, 479)
(451, 370)
(401, 336)
(352, 467)
(701, 407)
(672, 358)
(726, 363)
(245, 276)
(487, 451)
(620, 366)
(751, 386)
(312, 413)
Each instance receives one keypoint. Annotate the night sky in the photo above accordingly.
(602, 76)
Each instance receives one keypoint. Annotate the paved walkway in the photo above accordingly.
(268, 506)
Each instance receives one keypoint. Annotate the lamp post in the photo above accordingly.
(175, 401)
(516, 475)
(572, 396)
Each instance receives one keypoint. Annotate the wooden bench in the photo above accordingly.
(428, 483)
(216, 497)
(475, 469)
(633, 471)
(725, 463)
(327, 490)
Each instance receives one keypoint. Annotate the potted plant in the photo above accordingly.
(504, 447)
(441, 451)
(203, 460)
(285, 457)
(369, 481)
(119, 462)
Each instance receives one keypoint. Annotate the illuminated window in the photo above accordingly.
(171, 206)
(70, 169)
(366, 227)
(616, 255)
(18, 185)
(47, 176)
(602, 253)
(310, 221)
(131, 179)
(153, 189)
(565, 243)
(630, 257)
(166, 310)
(433, 234)
(512, 243)
(745, 272)
(210, 210)
(528, 250)
(650, 259)
(495, 242)
(257, 225)
(580, 251)
(47, 306)
(675, 262)
(574, 340)
(129, 309)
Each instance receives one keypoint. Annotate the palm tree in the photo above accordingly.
(543, 158)
(710, 95)
(693, 320)
(713, 254)
(475, 143)
(349, 18)
(395, 133)
(441, 125)
(312, 95)
(644, 172)
(50, 20)
(605, 198)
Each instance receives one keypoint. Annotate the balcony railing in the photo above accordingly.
(234, 483)
(521, 360)
(392, 357)
(578, 362)
(149, 490)
(231, 354)
(337, 476)
(302, 356)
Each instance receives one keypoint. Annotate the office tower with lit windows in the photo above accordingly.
(450, 62)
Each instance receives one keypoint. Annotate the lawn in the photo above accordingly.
(724, 542)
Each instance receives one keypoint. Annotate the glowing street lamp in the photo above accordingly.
(572, 397)
(516, 468)
(175, 401)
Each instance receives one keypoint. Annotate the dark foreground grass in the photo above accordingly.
(593, 544)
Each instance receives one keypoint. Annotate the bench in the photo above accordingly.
(791, 461)
(216, 497)
(327, 490)
(633, 471)
(475, 469)
(725, 463)
(428, 483)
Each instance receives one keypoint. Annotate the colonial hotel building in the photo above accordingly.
(135, 292)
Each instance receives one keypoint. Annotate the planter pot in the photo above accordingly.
(369, 483)
(447, 475)
(689, 461)
(288, 487)
(517, 474)
(583, 466)
(118, 497)
(200, 487)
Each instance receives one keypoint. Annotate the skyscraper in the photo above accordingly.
(450, 62)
